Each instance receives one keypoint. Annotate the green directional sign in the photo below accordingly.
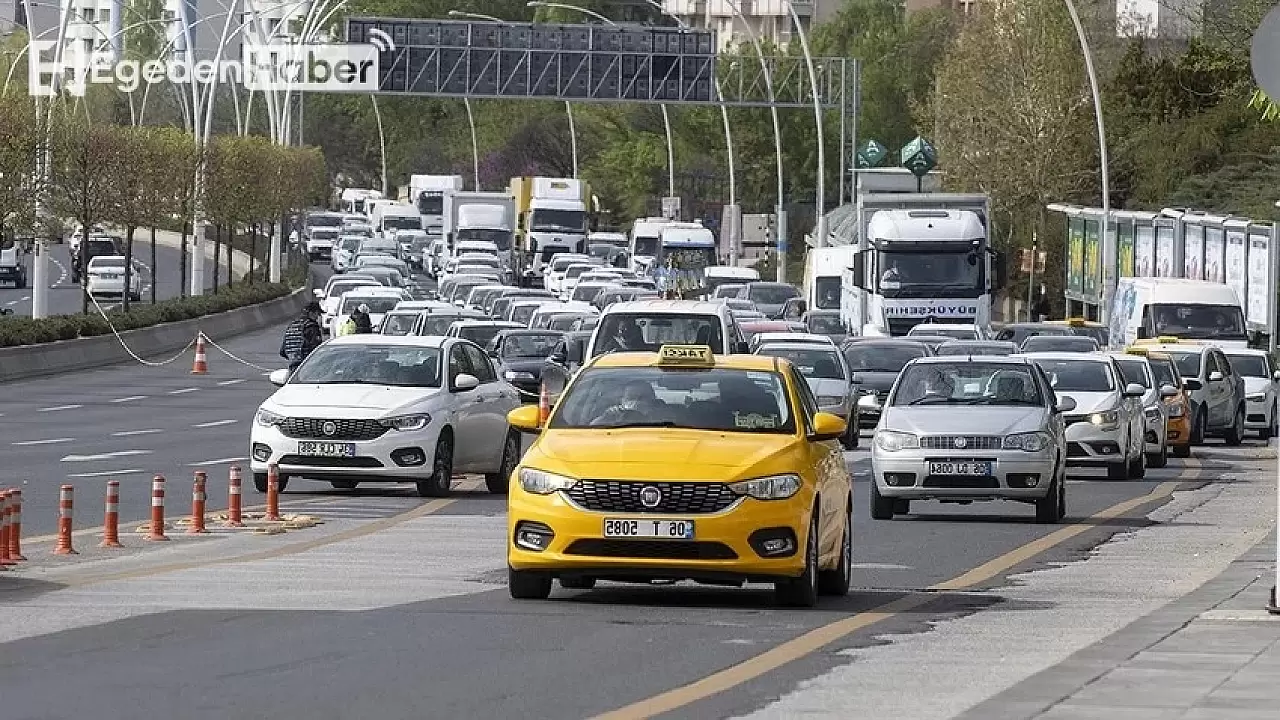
(919, 156)
(870, 154)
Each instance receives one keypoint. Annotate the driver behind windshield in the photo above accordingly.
(638, 404)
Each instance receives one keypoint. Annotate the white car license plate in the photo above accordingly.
(960, 468)
(327, 449)
(668, 529)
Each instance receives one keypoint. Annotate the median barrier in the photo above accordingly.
(31, 361)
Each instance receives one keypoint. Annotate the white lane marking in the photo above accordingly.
(104, 456)
(219, 461)
(183, 391)
(131, 433)
(50, 441)
(266, 374)
(107, 473)
(62, 272)
(881, 566)
(215, 423)
(131, 398)
(232, 382)
(60, 407)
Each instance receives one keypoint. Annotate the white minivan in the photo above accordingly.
(646, 325)
(1149, 308)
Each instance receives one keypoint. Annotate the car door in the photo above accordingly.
(468, 411)
(1221, 409)
(497, 398)
(827, 460)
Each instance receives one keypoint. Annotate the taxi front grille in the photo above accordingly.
(621, 496)
(653, 549)
(314, 429)
(961, 442)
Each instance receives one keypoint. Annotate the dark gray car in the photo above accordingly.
(875, 365)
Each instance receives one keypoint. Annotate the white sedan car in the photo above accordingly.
(376, 408)
(106, 277)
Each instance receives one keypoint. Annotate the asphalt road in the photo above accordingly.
(64, 296)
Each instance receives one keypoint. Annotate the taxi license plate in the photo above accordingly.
(327, 449)
(668, 529)
(960, 468)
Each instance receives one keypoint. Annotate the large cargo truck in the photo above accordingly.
(427, 193)
(482, 216)
(552, 216)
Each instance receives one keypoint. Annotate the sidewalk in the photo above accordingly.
(1212, 655)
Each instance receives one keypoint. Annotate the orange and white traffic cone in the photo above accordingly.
(544, 405)
(201, 365)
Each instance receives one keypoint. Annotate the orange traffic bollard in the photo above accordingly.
(234, 512)
(64, 522)
(15, 525)
(201, 365)
(197, 505)
(273, 493)
(157, 509)
(4, 530)
(544, 405)
(111, 519)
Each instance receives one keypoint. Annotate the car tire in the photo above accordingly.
(1160, 459)
(1235, 434)
(1049, 508)
(881, 506)
(344, 484)
(1137, 467)
(1274, 428)
(441, 478)
(498, 483)
(802, 591)
(836, 582)
(577, 583)
(901, 506)
(1182, 451)
(1198, 427)
(260, 482)
(851, 436)
(528, 584)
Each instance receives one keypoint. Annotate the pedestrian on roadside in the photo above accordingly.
(302, 336)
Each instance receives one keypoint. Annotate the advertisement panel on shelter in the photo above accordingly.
(1144, 251)
(1193, 252)
(1237, 250)
(1075, 255)
(1092, 268)
(1164, 252)
(1213, 249)
(1124, 249)
(1257, 308)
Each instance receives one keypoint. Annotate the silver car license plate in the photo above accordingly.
(960, 468)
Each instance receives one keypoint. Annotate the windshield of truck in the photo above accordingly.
(401, 222)
(1078, 375)
(826, 293)
(824, 324)
(647, 246)
(501, 238)
(631, 332)
(324, 233)
(1218, 322)
(930, 271)
(870, 357)
(567, 221)
(1254, 366)
(430, 203)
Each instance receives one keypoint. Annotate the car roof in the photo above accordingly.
(431, 341)
(1088, 356)
(650, 359)
(524, 302)
(980, 343)
(825, 347)
(888, 342)
(1252, 352)
(374, 291)
(670, 307)
(986, 359)
(476, 322)
(793, 337)
(522, 330)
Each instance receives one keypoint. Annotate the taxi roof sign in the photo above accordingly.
(686, 355)
(1137, 351)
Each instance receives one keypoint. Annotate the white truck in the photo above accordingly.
(354, 199)
(427, 193)
(553, 217)
(646, 242)
(920, 257)
(824, 270)
(389, 218)
(483, 216)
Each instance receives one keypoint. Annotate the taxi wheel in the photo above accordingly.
(441, 479)
(577, 583)
(528, 584)
(836, 582)
(499, 482)
(1235, 435)
(802, 591)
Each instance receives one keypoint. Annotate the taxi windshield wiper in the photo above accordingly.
(643, 424)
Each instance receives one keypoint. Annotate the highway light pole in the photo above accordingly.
(820, 225)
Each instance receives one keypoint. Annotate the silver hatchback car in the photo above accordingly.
(960, 429)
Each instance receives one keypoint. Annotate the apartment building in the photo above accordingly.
(770, 20)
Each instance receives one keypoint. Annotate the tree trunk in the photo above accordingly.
(217, 254)
(231, 256)
(253, 250)
(182, 261)
(154, 270)
(128, 268)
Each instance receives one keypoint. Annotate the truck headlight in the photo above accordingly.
(539, 482)
(773, 487)
(1107, 420)
(266, 418)
(406, 422)
(893, 441)
(1027, 442)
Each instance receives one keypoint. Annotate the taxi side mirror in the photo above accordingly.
(526, 419)
(827, 427)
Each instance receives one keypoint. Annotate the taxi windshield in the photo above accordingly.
(967, 383)
(716, 399)
(811, 362)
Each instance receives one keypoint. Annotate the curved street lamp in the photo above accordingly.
(820, 225)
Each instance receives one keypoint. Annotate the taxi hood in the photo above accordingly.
(641, 454)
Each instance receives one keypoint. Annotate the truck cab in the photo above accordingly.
(685, 251)
(553, 217)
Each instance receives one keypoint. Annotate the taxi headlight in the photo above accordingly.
(829, 400)
(1027, 442)
(773, 487)
(1256, 397)
(266, 418)
(893, 441)
(539, 482)
(406, 422)
(1177, 409)
(1108, 418)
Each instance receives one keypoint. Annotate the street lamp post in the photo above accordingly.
(820, 226)
(471, 120)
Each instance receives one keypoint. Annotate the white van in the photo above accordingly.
(717, 275)
(646, 325)
(1148, 308)
(646, 241)
(824, 269)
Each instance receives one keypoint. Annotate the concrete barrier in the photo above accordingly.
(153, 343)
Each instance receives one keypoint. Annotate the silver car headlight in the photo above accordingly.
(544, 483)
(516, 375)
(406, 422)
(1028, 441)
(1106, 420)
(773, 487)
(266, 418)
(1256, 397)
(894, 441)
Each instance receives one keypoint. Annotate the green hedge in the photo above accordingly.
(16, 331)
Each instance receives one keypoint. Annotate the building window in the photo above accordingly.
(104, 17)
(88, 15)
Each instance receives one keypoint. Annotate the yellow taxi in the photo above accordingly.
(1178, 407)
(1088, 328)
(682, 465)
